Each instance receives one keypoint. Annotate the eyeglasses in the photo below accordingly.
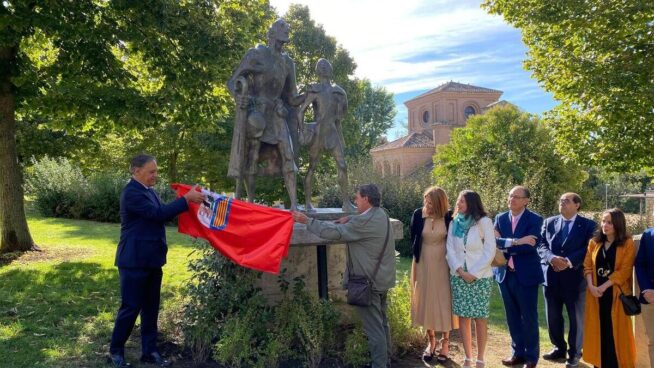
(564, 201)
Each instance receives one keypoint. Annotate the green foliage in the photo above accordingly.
(57, 186)
(596, 57)
(226, 313)
(356, 352)
(404, 336)
(219, 291)
(502, 148)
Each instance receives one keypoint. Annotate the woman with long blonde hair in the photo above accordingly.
(431, 300)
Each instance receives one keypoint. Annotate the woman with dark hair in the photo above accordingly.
(470, 251)
(431, 298)
(608, 337)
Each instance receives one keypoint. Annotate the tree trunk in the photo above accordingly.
(14, 233)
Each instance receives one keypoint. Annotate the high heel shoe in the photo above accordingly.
(443, 357)
(467, 363)
(427, 355)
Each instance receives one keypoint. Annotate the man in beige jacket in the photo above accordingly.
(364, 235)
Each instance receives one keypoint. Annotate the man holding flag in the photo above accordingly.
(367, 251)
(140, 255)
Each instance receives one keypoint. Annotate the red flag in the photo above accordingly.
(251, 235)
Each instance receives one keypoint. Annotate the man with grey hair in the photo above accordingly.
(364, 235)
(140, 255)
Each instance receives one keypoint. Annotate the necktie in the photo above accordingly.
(566, 229)
(514, 223)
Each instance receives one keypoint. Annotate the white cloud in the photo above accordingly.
(416, 45)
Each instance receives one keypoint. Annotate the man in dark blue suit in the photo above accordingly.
(517, 232)
(140, 255)
(645, 274)
(564, 240)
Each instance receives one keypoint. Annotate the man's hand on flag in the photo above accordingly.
(194, 195)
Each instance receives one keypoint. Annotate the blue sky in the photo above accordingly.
(412, 46)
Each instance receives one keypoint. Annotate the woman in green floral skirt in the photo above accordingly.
(470, 251)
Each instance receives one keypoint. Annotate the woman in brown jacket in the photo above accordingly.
(608, 266)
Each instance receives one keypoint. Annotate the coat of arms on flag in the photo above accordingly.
(214, 212)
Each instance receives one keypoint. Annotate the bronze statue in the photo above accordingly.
(329, 103)
(265, 92)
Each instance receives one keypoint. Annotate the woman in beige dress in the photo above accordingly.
(431, 298)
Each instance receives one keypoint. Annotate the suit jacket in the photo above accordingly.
(525, 257)
(142, 232)
(364, 235)
(417, 223)
(574, 248)
(645, 262)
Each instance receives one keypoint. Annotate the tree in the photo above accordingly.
(597, 58)
(502, 148)
(94, 67)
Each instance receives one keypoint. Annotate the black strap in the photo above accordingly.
(381, 255)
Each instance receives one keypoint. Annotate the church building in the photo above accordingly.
(432, 116)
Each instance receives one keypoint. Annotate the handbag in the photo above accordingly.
(359, 287)
(499, 260)
(630, 303)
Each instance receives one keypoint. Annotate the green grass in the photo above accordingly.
(57, 307)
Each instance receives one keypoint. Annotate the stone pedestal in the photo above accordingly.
(303, 259)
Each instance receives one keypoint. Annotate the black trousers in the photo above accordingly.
(573, 298)
(140, 290)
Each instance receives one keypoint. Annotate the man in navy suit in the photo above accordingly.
(140, 255)
(517, 232)
(564, 241)
(645, 274)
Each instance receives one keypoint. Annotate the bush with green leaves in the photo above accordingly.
(499, 149)
(226, 317)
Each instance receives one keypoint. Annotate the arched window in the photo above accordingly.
(469, 111)
(425, 117)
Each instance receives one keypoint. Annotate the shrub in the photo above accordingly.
(218, 292)
(404, 336)
(356, 352)
(57, 186)
(103, 201)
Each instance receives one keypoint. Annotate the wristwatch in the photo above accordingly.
(514, 242)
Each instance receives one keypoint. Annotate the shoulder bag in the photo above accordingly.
(630, 303)
(359, 287)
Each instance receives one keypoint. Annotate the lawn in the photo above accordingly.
(57, 306)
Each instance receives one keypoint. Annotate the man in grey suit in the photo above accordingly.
(364, 234)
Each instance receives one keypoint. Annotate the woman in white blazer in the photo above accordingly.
(470, 251)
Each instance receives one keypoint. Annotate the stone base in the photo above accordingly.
(302, 261)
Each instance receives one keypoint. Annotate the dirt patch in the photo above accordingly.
(45, 255)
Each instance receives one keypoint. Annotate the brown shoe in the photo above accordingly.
(514, 360)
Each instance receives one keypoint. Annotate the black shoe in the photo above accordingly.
(514, 360)
(155, 358)
(572, 363)
(117, 361)
(555, 354)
